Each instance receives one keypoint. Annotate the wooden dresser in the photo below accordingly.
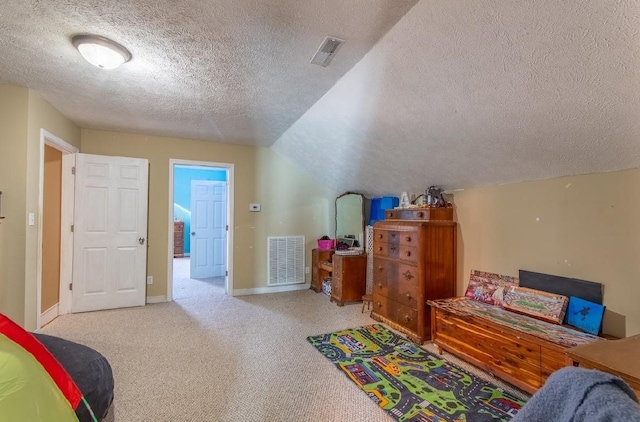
(178, 239)
(348, 275)
(414, 260)
(348, 278)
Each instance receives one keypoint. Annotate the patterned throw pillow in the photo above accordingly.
(489, 287)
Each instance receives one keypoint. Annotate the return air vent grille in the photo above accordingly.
(285, 256)
(327, 50)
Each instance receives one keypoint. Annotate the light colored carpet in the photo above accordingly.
(185, 287)
(211, 357)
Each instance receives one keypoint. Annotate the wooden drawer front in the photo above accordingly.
(515, 360)
(404, 288)
(550, 361)
(420, 214)
(405, 316)
(337, 266)
(381, 277)
(380, 236)
(336, 286)
(178, 241)
(406, 238)
(396, 251)
(380, 304)
(380, 248)
(397, 281)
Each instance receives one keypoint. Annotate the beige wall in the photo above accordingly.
(51, 215)
(584, 227)
(22, 114)
(13, 184)
(41, 115)
(291, 203)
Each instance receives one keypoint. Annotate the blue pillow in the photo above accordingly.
(585, 315)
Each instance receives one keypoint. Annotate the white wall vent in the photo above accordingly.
(285, 260)
(327, 50)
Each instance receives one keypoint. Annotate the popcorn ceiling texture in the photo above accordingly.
(470, 93)
(233, 71)
(461, 94)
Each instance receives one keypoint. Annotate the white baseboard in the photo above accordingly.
(271, 289)
(49, 315)
(156, 299)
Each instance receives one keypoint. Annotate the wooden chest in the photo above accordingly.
(521, 359)
(413, 261)
(178, 239)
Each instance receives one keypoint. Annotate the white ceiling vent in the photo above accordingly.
(327, 50)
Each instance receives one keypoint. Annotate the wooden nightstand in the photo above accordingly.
(617, 357)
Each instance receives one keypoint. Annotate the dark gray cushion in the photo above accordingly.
(90, 371)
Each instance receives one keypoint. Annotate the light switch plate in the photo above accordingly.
(32, 219)
(254, 207)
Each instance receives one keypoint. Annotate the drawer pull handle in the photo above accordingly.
(406, 318)
(408, 296)
(393, 248)
(391, 215)
(380, 236)
(408, 238)
(407, 275)
(379, 305)
(408, 253)
(380, 285)
(393, 234)
(380, 268)
(380, 248)
(420, 214)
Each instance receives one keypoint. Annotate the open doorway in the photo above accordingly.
(55, 206)
(200, 214)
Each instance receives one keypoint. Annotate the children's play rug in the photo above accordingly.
(411, 383)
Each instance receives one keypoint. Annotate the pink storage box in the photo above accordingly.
(326, 244)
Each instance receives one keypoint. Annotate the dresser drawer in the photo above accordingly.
(397, 281)
(396, 251)
(337, 266)
(405, 316)
(380, 305)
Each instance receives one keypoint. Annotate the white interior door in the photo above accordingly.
(110, 232)
(208, 229)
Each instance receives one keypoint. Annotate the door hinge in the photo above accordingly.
(72, 228)
(226, 273)
(227, 227)
(73, 170)
(70, 286)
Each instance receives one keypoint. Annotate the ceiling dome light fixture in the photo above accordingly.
(100, 51)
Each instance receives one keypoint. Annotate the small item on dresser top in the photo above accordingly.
(435, 197)
(350, 251)
(404, 200)
(325, 243)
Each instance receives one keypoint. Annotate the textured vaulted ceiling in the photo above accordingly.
(456, 93)
(233, 71)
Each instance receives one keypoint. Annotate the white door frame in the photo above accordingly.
(66, 237)
(229, 167)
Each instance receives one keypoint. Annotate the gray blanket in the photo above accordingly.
(577, 394)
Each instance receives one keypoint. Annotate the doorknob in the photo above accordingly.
(141, 240)
(193, 233)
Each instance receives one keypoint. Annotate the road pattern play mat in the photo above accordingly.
(411, 383)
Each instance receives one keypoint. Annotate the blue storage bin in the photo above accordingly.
(379, 205)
